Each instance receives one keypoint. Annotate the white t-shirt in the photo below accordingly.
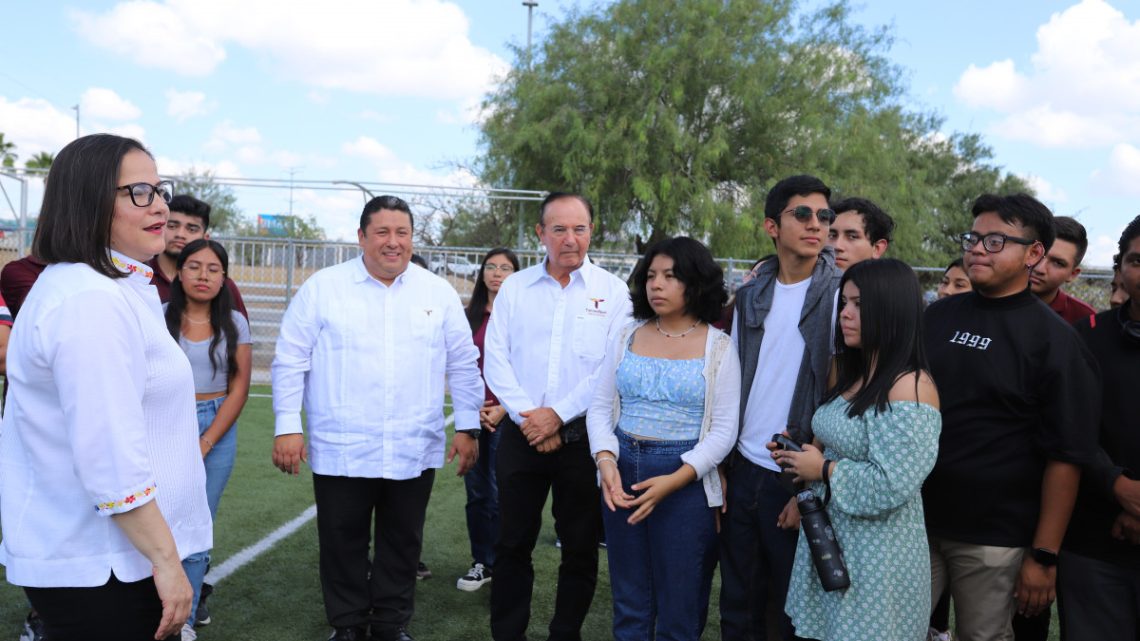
(781, 353)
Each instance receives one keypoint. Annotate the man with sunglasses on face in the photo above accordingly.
(1020, 398)
(783, 328)
(189, 220)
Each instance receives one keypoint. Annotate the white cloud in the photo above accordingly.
(183, 105)
(128, 130)
(226, 133)
(1082, 87)
(153, 35)
(1047, 192)
(1100, 252)
(35, 125)
(1122, 176)
(424, 51)
(389, 167)
(105, 104)
(318, 97)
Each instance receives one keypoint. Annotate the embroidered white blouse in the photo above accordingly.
(100, 419)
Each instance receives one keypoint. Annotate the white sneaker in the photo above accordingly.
(935, 635)
(188, 633)
(475, 578)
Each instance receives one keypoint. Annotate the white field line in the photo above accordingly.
(246, 556)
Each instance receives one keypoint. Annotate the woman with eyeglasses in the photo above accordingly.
(103, 491)
(215, 338)
(876, 440)
(482, 488)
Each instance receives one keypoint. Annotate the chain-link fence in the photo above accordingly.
(269, 272)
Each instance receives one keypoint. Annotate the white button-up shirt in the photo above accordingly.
(370, 361)
(545, 342)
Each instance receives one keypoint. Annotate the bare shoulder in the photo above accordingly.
(915, 386)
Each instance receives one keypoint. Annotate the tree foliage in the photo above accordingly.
(41, 160)
(676, 116)
(225, 216)
(7, 152)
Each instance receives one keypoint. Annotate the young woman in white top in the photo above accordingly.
(663, 417)
(216, 340)
(103, 490)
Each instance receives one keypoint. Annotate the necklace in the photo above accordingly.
(195, 322)
(657, 322)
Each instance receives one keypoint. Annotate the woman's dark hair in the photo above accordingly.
(79, 203)
(957, 262)
(221, 307)
(694, 266)
(481, 294)
(890, 319)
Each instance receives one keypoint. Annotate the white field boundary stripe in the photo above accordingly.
(246, 556)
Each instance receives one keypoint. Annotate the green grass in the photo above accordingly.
(277, 597)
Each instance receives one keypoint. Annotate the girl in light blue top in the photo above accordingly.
(216, 340)
(664, 415)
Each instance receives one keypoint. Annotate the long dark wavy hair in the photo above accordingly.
(221, 307)
(890, 319)
(481, 294)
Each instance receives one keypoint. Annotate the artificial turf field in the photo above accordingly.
(277, 596)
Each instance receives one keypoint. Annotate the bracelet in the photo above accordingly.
(598, 462)
(826, 473)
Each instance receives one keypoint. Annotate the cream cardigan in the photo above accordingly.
(720, 424)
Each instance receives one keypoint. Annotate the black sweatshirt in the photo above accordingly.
(1119, 359)
(1018, 387)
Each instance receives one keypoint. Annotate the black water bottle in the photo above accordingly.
(825, 552)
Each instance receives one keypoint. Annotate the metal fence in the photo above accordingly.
(269, 272)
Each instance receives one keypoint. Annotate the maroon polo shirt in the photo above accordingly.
(1071, 309)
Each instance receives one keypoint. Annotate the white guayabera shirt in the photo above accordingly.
(370, 362)
(546, 342)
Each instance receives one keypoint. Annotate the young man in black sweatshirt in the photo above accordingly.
(1020, 396)
(1099, 574)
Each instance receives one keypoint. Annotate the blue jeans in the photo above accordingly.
(661, 568)
(219, 463)
(754, 552)
(483, 501)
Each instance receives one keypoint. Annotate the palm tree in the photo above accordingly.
(7, 152)
(41, 160)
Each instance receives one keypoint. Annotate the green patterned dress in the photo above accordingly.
(876, 510)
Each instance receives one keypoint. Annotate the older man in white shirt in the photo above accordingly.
(544, 346)
(367, 344)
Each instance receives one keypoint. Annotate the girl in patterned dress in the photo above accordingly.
(876, 441)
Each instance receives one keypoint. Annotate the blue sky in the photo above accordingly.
(385, 91)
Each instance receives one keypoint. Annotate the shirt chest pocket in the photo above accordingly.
(589, 336)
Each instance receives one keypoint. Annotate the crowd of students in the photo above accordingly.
(975, 451)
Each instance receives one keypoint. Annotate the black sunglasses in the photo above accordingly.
(803, 213)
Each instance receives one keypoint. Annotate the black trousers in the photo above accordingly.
(382, 593)
(1097, 600)
(525, 477)
(115, 611)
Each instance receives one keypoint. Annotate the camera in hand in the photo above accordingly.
(825, 552)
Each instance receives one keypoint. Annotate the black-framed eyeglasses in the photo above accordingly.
(993, 243)
(803, 213)
(142, 194)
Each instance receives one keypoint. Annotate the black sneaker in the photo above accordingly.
(202, 616)
(422, 572)
(33, 628)
(475, 578)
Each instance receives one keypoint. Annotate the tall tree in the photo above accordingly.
(7, 152)
(41, 160)
(676, 116)
(225, 217)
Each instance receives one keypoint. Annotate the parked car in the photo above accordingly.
(457, 265)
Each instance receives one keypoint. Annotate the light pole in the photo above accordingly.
(76, 108)
(365, 192)
(530, 5)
